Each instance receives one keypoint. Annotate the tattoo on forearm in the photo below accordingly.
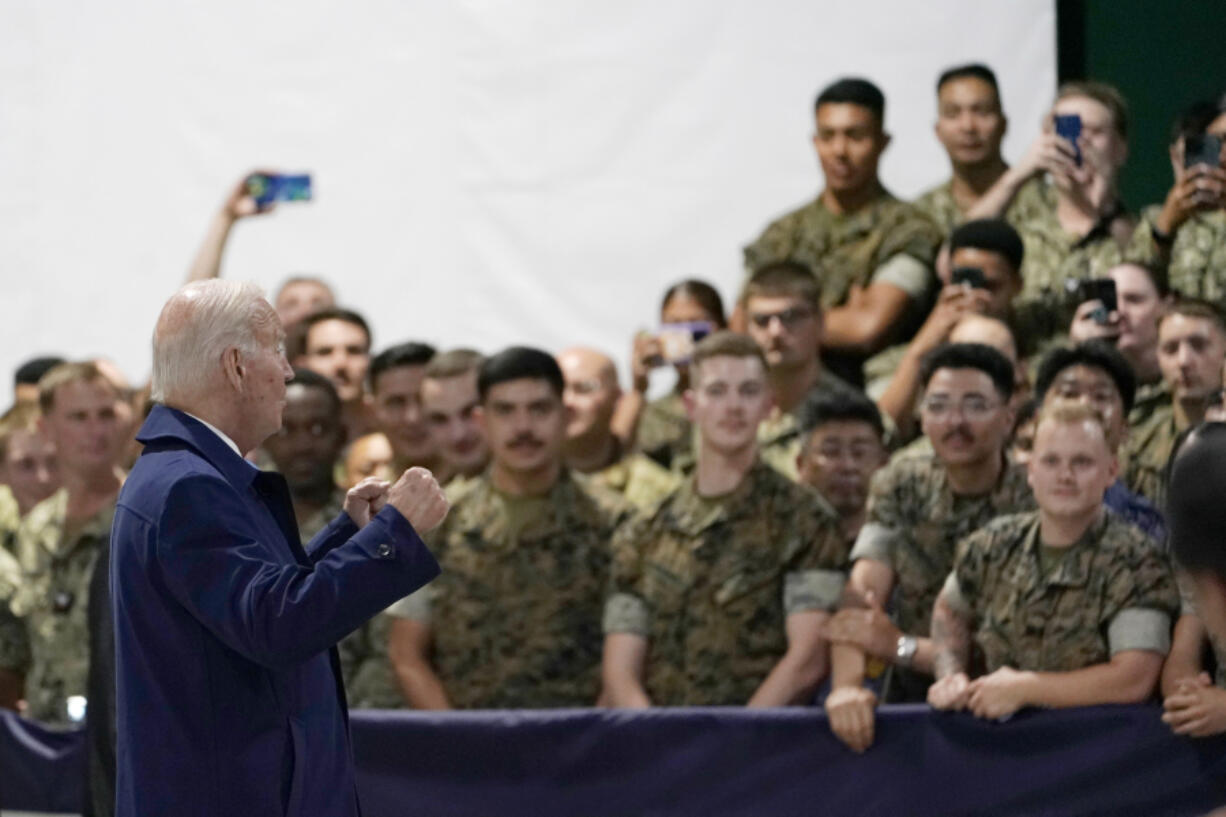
(951, 640)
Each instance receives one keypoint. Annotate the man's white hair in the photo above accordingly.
(196, 326)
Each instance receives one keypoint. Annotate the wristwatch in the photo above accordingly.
(904, 652)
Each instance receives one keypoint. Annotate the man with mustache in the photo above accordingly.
(449, 401)
(336, 344)
(1069, 605)
(874, 252)
(593, 452)
(514, 620)
(782, 305)
(919, 506)
(720, 593)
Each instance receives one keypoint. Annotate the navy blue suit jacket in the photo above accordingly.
(228, 693)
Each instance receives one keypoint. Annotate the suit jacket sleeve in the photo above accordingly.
(331, 536)
(273, 610)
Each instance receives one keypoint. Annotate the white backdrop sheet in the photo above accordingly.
(487, 172)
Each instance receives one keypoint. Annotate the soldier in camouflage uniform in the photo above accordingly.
(59, 540)
(920, 506)
(1186, 234)
(28, 471)
(872, 253)
(1191, 348)
(14, 640)
(514, 619)
(449, 401)
(783, 312)
(593, 452)
(1046, 594)
(718, 595)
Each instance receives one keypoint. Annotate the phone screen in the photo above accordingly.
(1202, 149)
(972, 277)
(1069, 126)
(677, 339)
(267, 188)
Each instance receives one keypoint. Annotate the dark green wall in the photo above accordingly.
(1162, 54)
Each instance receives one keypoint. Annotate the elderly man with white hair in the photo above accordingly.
(229, 699)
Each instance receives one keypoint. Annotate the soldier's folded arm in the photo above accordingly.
(808, 597)
(1187, 646)
(623, 663)
(952, 618)
(409, 643)
(871, 572)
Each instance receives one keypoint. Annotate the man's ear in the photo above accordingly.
(233, 367)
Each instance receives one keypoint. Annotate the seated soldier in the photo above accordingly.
(513, 622)
(993, 248)
(844, 445)
(1069, 605)
(592, 451)
(449, 400)
(782, 306)
(1191, 350)
(1186, 234)
(1141, 295)
(1096, 374)
(719, 594)
(1063, 198)
(28, 469)
(919, 506)
(661, 429)
(1194, 705)
(872, 253)
(336, 344)
(396, 375)
(970, 126)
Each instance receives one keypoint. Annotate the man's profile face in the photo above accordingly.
(1003, 282)
(849, 143)
(1094, 387)
(450, 406)
(398, 411)
(1139, 306)
(368, 456)
(309, 440)
(265, 374)
(82, 425)
(1070, 468)
(1190, 353)
(340, 351)
(728, 400)
(964, 416)
(838, 459)
(298, 299)
(1098, 131)
(970, 124)
(786, 329)
(30, 468)
(590, 395)
(525, 424)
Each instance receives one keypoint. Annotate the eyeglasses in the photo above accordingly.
(971, 408)
(790, 318)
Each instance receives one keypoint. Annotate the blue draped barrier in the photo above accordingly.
(680, 762)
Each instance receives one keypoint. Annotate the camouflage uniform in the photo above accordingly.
(1054, 261)
(14, 640)
(1109, 592)
(709, 582)
(1197, 261)
(779, 436)
(848, 250)
(914, 522)
(54, 599)
(1146, 452)
(637, 479)
(941, 208)
(665, 432)
(515, 615)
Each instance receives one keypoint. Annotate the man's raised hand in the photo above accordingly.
(419, 499)
(366, 499)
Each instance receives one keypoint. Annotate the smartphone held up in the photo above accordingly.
(270, 188)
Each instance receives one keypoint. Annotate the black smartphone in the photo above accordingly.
(972, 277)
(1102, 290)
(1202, 149)
(1069, 126)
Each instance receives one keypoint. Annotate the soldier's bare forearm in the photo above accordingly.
(951, 639)
(1184, 660)
(1129, 677)
(847, 666)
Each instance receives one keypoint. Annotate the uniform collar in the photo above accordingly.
(167, 427)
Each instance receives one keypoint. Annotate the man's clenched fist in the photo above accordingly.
(419, 499)
(366, 499)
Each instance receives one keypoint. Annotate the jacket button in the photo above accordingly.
(384, 550)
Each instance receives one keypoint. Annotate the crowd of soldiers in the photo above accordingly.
(922, 458)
